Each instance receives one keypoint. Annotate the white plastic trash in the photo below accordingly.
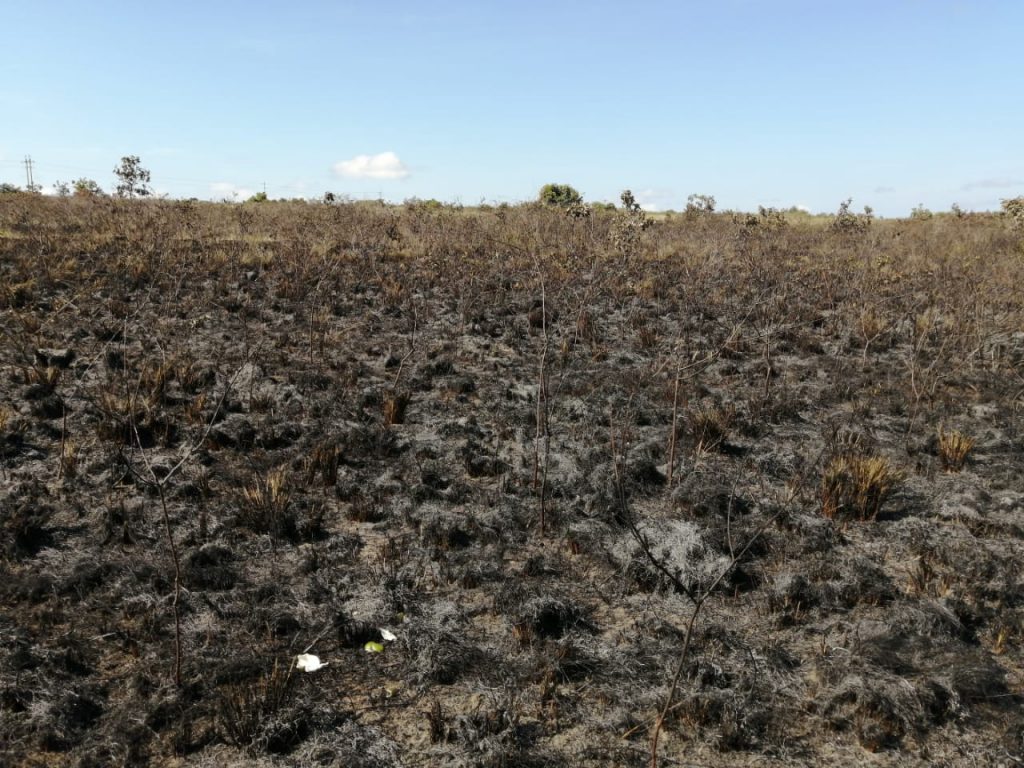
(309, 662)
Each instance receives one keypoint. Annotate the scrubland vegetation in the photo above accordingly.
(713, 490)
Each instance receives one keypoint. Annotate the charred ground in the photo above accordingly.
(528, 444)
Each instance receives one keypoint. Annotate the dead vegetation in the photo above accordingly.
(625, 491)
(856, 487)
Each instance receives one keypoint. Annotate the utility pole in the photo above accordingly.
(30, 182)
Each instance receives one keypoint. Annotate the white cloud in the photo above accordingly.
(386, 165)
(224, 190)
(883, 190)
(997, 183)
(655, 199)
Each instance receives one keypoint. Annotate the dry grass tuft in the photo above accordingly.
(154, 378)
(323, 460)
(70, 453)
(711, 426)
(265, 505)
(246, 710)
(45, 377)
(17, 295)
(394, 408)
(954, 448)
(856, 487)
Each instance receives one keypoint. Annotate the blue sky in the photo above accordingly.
(894, 103)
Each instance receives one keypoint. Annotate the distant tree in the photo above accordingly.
(6, 189)
(259, 197)
(132, 178)
(559, 194)
(920, 213)
(62, 188)
(698, 204)
(630, 222)
(1013, 209)
(848, 222)
(84, 187)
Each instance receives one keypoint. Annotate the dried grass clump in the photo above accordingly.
(154, 378)
(711, 426)
(265, 505)
(70, 452)
(855, 487)
(880, 709)
(17, 295)
(44, 378)
(132, 420)
(394, 408)
(245, 710)
(323, 461)
(954, 448)
(647, 336)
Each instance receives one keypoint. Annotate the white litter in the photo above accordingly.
(388, 635)
(308, 662)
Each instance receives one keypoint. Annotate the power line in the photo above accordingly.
(162, 178)
(97, 171)
(207, 186)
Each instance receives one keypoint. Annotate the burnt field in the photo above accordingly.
(739, 490)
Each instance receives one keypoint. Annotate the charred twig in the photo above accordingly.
(543, 433)
(160, 484)
(700, 600)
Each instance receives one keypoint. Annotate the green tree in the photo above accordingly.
(132, 178)
(559, 194)
(259, 197)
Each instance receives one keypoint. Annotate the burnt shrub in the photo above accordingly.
(210, 567)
